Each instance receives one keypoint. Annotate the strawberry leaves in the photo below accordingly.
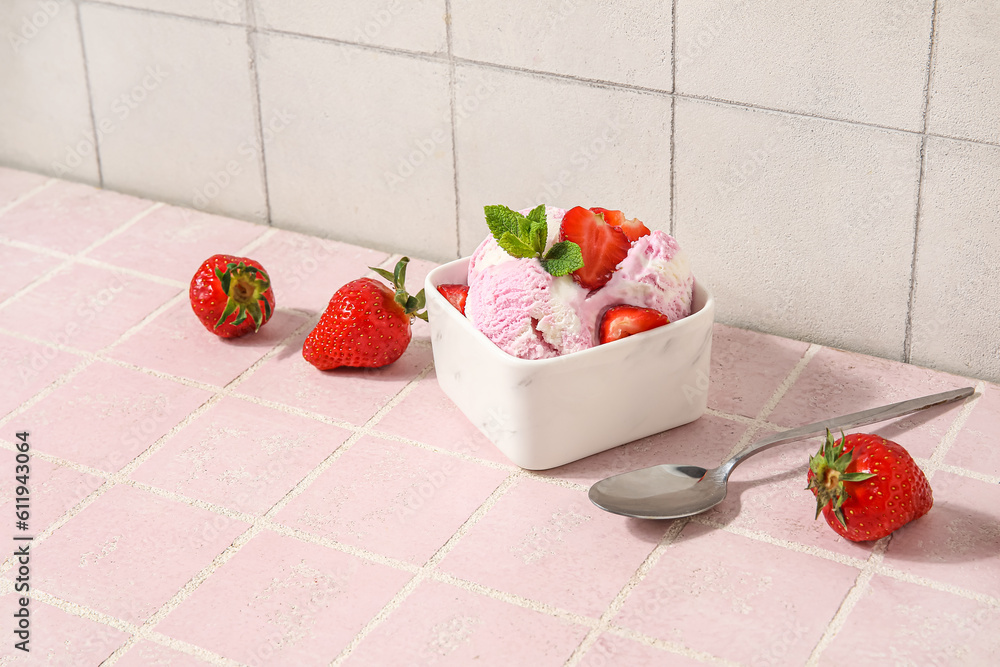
(411, 304)
(525, 236)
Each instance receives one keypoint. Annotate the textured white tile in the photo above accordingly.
(228, 11)
(174, 104)
(367, 156)
(45, 120)
(523, 140)
(965, 83)
(416, 25)
(956, 317)
(863, 60)
(802, 227)
(625, 42)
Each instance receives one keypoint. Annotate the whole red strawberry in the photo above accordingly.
(232, 296)
(867, 486)
(366, 324)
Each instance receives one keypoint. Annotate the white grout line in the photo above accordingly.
(850, 600)
(28, 195)
(70, 259)
(428, 568)
(874, 564)
(123, 626)
(669, 537)
(671, 647)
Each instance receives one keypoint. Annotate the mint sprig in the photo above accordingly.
(525, 236)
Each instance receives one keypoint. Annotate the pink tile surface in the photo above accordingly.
(14, 184)
(739, 584)
(69, 216)
(958, 541)
(147, 654)
(428, 416)
(240, 455)
(107, 415)
(422, 499)
(611, 650)
(172, 242)
(767, 493)
(928, 628)
(710, 587)
(58, 638)
(747, 367)
(351, 394)
(177, 343)
(28, 368)
(53, 489)
(975, 447)
(551, 545)
(704, 442)
(21, 267)
(442, 625)
(306, 271)
(280, 601)
(85, 307)
(837, 383)
(128, 536)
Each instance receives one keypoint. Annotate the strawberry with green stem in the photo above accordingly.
(231, 296)
(867, 486)
(366, 324)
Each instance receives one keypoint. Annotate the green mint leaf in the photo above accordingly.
(515, 246)
(537, 237)
(537, 214)
(562, 258)
(501, 219)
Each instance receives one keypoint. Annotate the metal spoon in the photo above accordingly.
(675, 491)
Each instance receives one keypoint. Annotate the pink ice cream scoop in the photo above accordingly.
(532, 315)
(655, 274)
(526, 311)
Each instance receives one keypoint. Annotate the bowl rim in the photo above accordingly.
(430, 286)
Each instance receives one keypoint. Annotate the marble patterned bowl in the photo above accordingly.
(548, 412)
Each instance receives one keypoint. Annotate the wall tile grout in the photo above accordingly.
(255, 101)
(673, 118)
(454, 134)
(908, 328)
(596, 83)
(90, 95)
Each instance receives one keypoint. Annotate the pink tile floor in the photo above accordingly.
(206, 502)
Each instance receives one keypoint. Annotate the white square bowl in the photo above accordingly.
(548, 412)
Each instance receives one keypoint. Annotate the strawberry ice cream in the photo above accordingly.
(531, 314)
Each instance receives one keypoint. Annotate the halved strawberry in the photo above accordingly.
(633, 228)
(622, 321)
(456, 295)
(603, 246)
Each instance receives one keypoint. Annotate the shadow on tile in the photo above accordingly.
(650, 531)
(977, 539)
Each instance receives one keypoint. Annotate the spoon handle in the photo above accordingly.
(845, 422)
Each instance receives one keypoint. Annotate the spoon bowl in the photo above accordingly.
(675, 491)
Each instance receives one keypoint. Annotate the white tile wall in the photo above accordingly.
(175, 108)
(956, 309)
(45, 123)
(415, 25)
(523, 139)
(965, 84)
(366, 156)
(626, 41)
(862, 60)
(802, 227)
(780, 139)
(226, 11)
